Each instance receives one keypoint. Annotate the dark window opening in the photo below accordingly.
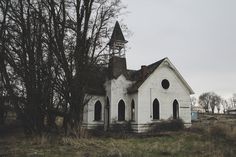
(98, 111)
(132, 111)
(175, 109)
(165, 84)
(121, 110)
(156, 109)
(107, 115)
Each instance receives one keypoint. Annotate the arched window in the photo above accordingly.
(121, 110)
(107, 115)
(156, 109)
(175, 109)
(132, 111)
(98, 111)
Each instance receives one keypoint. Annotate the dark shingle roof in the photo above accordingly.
(137, 76)
(99, 75)
(117, 34)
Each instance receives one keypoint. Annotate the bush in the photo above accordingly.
(217, 131)
(197, 129)
(169, 125)
(97, 131)
(124, 127)
(116, 130)
(223, 131)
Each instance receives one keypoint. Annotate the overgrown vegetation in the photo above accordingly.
(206, 138)
(49, 52)
(124, 127)
(167, 125)
(179, 144)
(117, 130)
(221, 130)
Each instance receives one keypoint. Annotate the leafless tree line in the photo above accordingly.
(210, 101)
(48, 51)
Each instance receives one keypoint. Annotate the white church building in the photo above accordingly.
(155, 92)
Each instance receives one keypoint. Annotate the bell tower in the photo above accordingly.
(117, 42)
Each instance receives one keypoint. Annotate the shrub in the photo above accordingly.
(232, 134)
(169, 125)
(197, 129)
(97, 131)
(120, 130)
(116, 130)
(223, 131)
(124, 127)
(217, 131)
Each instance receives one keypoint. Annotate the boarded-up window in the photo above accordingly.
(156, 109)
(98, 111)
(121, 110)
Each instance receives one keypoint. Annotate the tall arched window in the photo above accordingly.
(156, 109)
(132, 111)
(98, 111)
(175, 109)
(121, 110)
(107, 115)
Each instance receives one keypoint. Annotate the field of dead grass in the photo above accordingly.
(205, 138)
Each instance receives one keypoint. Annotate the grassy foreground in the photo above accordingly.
(172, 144)
(202, 140)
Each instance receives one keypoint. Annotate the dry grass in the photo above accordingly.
(177, 144)
(203, 139)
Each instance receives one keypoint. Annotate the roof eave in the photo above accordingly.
(180, 76)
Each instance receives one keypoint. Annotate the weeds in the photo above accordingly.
(169, 125)
(202, 139)
(220, 130)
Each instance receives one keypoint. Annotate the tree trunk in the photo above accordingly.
(2, 114)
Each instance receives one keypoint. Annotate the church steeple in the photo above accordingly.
(117, 42)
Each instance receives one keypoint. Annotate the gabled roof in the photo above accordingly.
(117, 35)
(100, 74)
(180, 76)
(150, 69)
(137, 76)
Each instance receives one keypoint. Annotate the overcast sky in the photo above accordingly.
(198, 36)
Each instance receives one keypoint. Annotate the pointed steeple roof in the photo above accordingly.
(117, 35)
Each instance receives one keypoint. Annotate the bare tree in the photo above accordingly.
(233, 101)
(4, 7)
(26, 63)
(216, 102)
(225, 105)
(204, 101)
(230, 103)
(77, 40)
(209, 100)
(193, 101)
(50, 49)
